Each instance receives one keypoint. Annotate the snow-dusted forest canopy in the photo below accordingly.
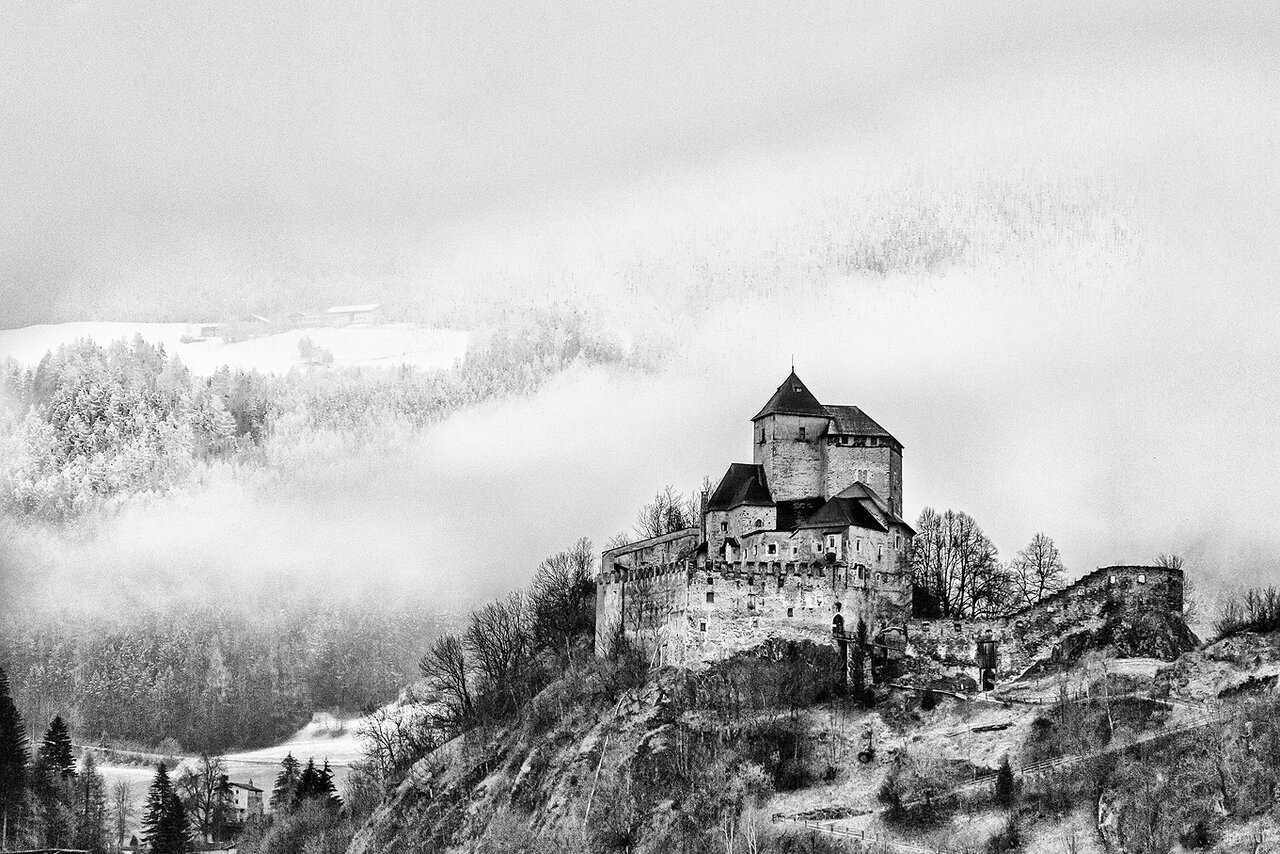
(93, 425)
(96, 428)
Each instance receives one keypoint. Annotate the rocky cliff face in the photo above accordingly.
(601, 763)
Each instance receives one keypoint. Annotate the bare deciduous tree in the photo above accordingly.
(206, 794)
(954, 568)
(396, 736)
(499, 642)
(446, 671)
(122, 810)
(1036, 572)
(560, 599)
(668, 512)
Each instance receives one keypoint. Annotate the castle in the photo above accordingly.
(806, 542)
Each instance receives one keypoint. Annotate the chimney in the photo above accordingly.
(702, 513)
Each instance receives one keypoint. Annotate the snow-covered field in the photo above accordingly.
(325, 738)
(386, 345)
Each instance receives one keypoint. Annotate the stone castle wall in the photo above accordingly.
(1126, 606)
(642, 591)
(685, 614)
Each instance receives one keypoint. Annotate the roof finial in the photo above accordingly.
(793, 363)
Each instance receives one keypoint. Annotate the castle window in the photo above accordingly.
(702, 627)
(897, 542)
(782, 579)
(1111, 580)
(751, 581)
(711, 596)
(710, 580)
(759, 523)
(802, 434)
(791, 612)
(724, 527)
(839, 607)
(755, 550)
(879, 551)
(751, 602)
(755, 624)
(773, 548)
(1142, 579)
(857, 544)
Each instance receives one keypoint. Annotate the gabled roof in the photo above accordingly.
(792, 398)
(871, 500)
(852, 421)
(742, 484)
(843, 512)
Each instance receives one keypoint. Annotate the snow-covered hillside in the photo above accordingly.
(386, 345)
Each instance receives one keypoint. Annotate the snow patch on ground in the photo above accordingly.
(382, 345)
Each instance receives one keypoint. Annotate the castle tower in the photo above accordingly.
(811, 450)
(789, 434)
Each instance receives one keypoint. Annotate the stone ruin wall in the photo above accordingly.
(945, 653)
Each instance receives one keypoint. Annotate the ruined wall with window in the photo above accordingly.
(1134, 611)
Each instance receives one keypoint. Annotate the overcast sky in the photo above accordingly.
(145, 134)
(1118, 391)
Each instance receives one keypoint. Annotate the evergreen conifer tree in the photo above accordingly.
(51, 802)
(308, 782)
(13, 763)
(327, 790)
(1005, 790)
(55, 750)
(164, 824)
(91, 808)
(286, 788)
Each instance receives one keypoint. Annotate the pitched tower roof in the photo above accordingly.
(742, 484)
(793, 398)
